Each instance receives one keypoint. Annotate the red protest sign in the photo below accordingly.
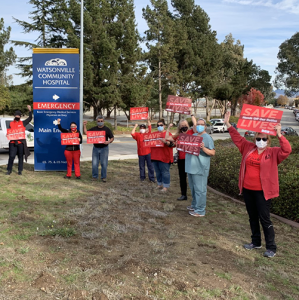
(153, 139)
(189, 143)
(69, 138)
(16, 134)
(96, 137)
(259, 119)
(179, 105)
(138, 113)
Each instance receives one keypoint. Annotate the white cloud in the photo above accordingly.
(291, 6)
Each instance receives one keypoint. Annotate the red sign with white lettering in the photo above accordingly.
(189, 143)
(153, 139)
(16, 134)
(96, 137)
(56, 105)
(259, 119)
(70, 138)
(138, 113)
(179, 105)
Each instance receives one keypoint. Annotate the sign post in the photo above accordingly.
(55, 96)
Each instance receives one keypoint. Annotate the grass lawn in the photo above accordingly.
(80, 239)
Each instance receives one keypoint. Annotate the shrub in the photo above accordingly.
(224, 176)
(94, 123)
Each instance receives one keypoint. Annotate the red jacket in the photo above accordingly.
(272, 157)
(164, 154)
(141, 150)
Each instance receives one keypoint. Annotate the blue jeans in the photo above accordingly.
(162, 173)
(150, 168)
(198, 186)
(99, 154)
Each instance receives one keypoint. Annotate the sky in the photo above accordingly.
(260, 25)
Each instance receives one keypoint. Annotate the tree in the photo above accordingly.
(288, 66)
(282, 100)
(7, 57)
(162, 42)
(253, 97)
(49, 19)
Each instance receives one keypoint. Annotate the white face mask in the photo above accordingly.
(261, 144)
(142, 130)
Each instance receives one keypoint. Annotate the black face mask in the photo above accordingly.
(184, 129)
(17, 119)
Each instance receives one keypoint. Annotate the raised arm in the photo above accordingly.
(285, 148)
(134, 129)
(237, 139)
(194, 123)
(168, 137)
(26, 122)
(60, 128)
(84, 127)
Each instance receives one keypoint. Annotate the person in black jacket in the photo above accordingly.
(18, 147)
(72, 152)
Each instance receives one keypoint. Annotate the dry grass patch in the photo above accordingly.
(71, 239)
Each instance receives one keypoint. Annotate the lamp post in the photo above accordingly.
(81, 68)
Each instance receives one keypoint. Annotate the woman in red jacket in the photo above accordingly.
(161, 158)
(258, 181)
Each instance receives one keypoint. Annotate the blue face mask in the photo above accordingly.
(160, 128)
(200, 128)
(100, 124)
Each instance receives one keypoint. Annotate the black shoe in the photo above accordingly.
(66, 177)
(79, 177)
(142, 179)
(104, 179)
(20, 173)
(152, 181)
(182, 198)
(8, 172)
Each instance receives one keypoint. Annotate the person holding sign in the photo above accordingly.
(100, 151)
(72, 152)
(19, 146)
(144, 153)
(197, 167)
(162, 157)
(258, 181)
(183, 127)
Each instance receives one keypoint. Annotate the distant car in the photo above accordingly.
(288, 131)
(249, 133)
(286, 107)
(213, 121)
(277, 107)
(219, 127)
(234, 125)
(290, 107)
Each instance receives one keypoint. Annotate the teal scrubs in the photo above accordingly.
(197, 168)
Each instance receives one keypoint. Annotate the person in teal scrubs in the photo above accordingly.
(197, 168)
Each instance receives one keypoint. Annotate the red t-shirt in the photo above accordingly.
(141, 150)
(182, 155)
(16, 125)
(252, 179)
(164, 154)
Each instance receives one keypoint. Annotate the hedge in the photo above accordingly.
(224, 176)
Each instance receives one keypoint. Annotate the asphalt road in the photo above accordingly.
(124, 147)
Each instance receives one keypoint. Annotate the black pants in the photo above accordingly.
(258, 209)
(15, 149)
(183, 176)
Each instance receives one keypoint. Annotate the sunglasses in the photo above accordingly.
(264, 139)
(160, 124)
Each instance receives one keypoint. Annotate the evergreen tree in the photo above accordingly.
(7, 57)
(49, 19)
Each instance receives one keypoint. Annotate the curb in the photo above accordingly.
(284, 220)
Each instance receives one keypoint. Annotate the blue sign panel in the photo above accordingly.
(55, 96)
